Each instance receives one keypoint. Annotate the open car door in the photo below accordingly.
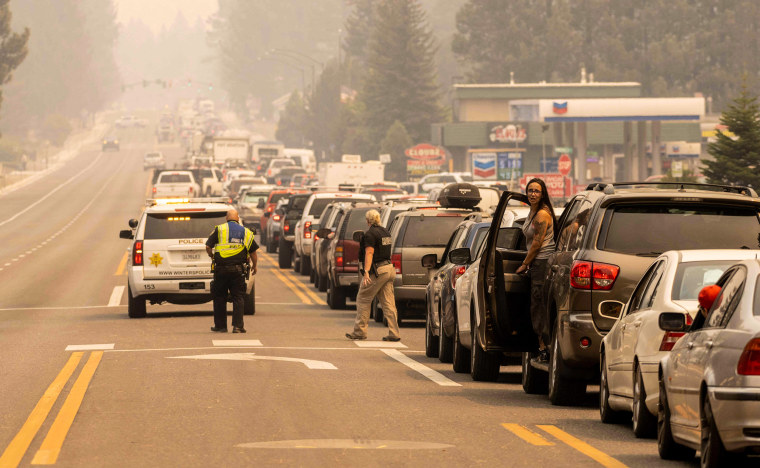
(503, 295)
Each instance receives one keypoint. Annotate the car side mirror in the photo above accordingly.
(611, 309)
(126, 234)
(357, 236)
(267, 214)
(133, 223)
(324, 232)
(672, 322)
(429, 260)
(261, 204)
(460, 256)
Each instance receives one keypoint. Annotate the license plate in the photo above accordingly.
(193, 285)
(191, 256)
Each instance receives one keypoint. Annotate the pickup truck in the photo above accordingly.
(175, 184)
(211, 181)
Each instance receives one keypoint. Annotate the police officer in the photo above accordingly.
(377, 280)
(231, 246)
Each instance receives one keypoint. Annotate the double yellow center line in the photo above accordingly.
(51, 445)
(304, 293)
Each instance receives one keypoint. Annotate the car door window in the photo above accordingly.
(453, 244)
(578, 226)
(727, 300)
(654, 284)
(638, 293)
(564, 231)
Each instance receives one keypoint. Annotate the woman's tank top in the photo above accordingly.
(547, 247)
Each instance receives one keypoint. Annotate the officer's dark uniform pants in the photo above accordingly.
(228, 279)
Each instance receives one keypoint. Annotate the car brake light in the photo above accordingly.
(396, 260)
(339, 255)
(307, 230)
(276, 217)
(154, 189)
(749, 362)
(458, 271)
(590, 275)
(669, 339)
(137, 253)
(270, 208)
(286, 227)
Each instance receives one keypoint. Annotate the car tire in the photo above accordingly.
(208, 192)
(377, 312)
(460, 360)
(534, 381)
(667, 447)
(562, 390)
(445, 343)
(249, 304)
(271, 246)
(644, 422)
(313, 276)
(336, 299)
(606, 413)
(431, 341)
(136, 307)
(484, 366)
(296, 261)
(322, 283)
(305, 267)
(285, 256)
(712, 451)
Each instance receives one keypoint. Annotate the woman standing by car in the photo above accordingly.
(539, 238)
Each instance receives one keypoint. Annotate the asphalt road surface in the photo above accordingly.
(84, 385)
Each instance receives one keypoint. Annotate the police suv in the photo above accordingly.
(168, 260)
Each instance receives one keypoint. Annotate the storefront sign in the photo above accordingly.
(424, 159)
(508, 133)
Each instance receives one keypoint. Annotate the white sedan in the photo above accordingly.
(633, 348)
(709, 395)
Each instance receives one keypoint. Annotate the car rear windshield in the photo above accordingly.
(356, 222)
(299, 203)
(691, 277)
(653, 229)
(429, 231)
(174, 178)
(254, 197)
(275, 197)
(182, 225)
(319, 204)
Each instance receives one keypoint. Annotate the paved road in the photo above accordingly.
(83, 385)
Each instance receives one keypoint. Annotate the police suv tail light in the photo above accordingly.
(396, 260)
(749, 362)
(137, 253)
(458, 271)
(307, 230)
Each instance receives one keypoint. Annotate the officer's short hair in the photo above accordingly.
(373, 217)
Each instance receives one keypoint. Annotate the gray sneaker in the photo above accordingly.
(351, 336)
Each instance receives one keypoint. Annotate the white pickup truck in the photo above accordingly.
(175, 184)
(211, 180)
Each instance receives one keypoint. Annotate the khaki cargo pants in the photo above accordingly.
(382, 287)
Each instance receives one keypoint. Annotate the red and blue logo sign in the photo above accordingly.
(559, 107)
(484, 168)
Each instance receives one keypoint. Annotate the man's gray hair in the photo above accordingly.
(373, 217)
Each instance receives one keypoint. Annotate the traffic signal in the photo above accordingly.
(210, 87)
(189, 82)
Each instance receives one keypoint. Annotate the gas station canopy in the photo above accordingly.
(620, 110)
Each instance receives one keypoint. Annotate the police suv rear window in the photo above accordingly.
(650, 229)
(429, 231)
(174, 178)
(182, 225)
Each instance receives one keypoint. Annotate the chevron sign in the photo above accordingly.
(484, 165)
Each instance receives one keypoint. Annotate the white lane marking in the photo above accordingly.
(8, 264)
(346, 444)
(379, 344)
(89, 347)
(8, 309)
(115, 300)
(422, 369)
(50, 193)
(236, 342)
(309, 363)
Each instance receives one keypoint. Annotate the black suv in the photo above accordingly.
(291, 213)
(607, 237)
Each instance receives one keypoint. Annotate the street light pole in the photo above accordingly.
(303, 76)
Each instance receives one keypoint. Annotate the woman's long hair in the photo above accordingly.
(545, 201)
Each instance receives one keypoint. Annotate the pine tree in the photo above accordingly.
(396, 141)
(400, 81)
(291, 129)
(737, 158)
(12, 45)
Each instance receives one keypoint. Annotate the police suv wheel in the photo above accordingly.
(135, 305)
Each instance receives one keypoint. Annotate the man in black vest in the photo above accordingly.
(377, 280)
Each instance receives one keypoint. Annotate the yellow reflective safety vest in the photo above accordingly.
(232, 239)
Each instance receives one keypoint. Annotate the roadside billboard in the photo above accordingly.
(424, 159)
(496, 164)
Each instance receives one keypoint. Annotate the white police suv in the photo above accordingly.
(168, 260)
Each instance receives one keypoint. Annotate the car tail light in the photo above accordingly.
(458, 271)
(276, 217)
(154, 189)
(270, 208)
(671, 338)
(591, 275)
(307, 230)
(279, 182)
(339, 254)
(137, 253)
(396, 260)
(749, 362)
(190, 191)
(286, 227)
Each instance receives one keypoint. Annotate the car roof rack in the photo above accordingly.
(609, 188)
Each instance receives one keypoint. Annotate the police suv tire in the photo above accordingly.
(249, 302)
(563, 391)
(460, 360)
(135, 305)
(534, 381)
(285, 255)
(377, 312)
(484, 366)
(445, 343)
